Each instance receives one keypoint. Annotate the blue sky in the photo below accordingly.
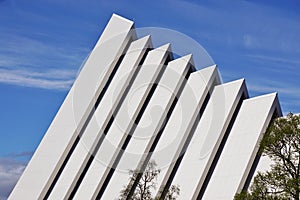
(44, 42)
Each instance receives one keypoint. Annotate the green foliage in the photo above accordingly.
(281, 143)
(146, 184)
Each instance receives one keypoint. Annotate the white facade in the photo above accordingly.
(130, 99)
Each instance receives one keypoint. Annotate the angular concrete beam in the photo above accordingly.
(108, 107)
(52, 152)
(105, 156)
(182, 120)
(150, 125)
(207, 137)
(241, 147)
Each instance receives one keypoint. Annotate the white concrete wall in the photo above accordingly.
(149, 125)
(241, 147)
(53, 149)
(105, 110)
(124, 121)
(178, 128)
(207, 138)
(102, 150)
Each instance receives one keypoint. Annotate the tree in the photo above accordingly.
(146, 183)
(281, 143)
(173, 192)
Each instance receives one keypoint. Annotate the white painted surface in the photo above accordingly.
(149, 125)
(123, 122)
(103, 113)
(207, 138)
(47, 159)
(241, 147)
(235, 161)
(182, 119)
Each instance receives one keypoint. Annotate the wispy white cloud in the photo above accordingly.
(23, 154)
(261, 88)
(250, 41)
(26, 51)
(50, 79)
(38, 61)
(289, 95)
(32, 63)
(261, 40)
(214, 21)
(10, 171)
(274, 59)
